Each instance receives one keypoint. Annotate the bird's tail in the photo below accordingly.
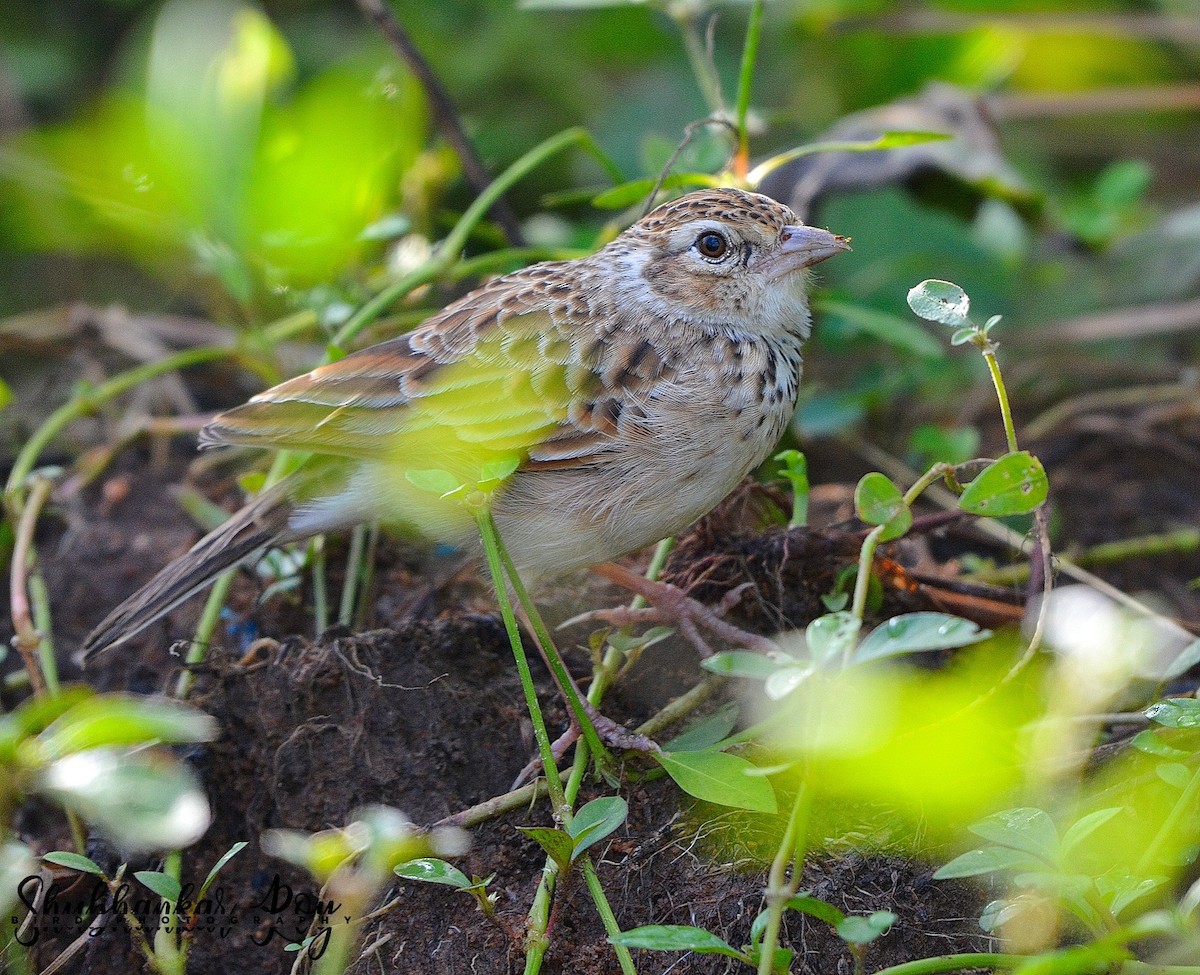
(262, 523)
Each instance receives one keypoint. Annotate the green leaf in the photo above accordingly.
(596, 820)
(1152, 743)
(784, 680)
(917, 633)
(1025, 828)
(998, 913)
(817, 908)
(106, 720)
(434, 480)
(991, 859)
(1013, 485)
(940, 301)
(708, 731)
(74, 861)
(1085, 826)
(878, 501)
(216, 867)
(142, 801)
(431, 870)
(628, 194)
(740, 663)
(676, 937)
(166, 886)
(6, 395)
(889, 329)
(720, 778)
(860, 930)
(1187, 658)
(499, 470)
(557, 844)
(16, 863)
(830, 637)
(1174, 774)
(1175, 712)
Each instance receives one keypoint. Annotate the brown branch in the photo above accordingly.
(444, 113)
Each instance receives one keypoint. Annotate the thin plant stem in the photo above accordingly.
(354, 571)
(702, 66)
(27, 639)
(745, 80)
(611, 927)
(83, 402)
(1010, 432)
(491, 549)
(782, 886)
(318, 564)
(450, 248)
(967, 961)
(553, 659)
(865, 559)
(205, 629)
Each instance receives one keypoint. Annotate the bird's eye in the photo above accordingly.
(711, 244)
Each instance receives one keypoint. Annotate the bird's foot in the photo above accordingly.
(612, 734)
(672, 606)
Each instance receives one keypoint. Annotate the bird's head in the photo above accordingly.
(726, 258)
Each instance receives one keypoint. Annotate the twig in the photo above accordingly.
(444, 113)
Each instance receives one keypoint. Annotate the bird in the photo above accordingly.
(599, 404)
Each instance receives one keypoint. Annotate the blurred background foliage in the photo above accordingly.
(239, 162)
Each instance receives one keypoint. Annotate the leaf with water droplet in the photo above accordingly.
(1013, 485)
(917, 633)
(940, 301)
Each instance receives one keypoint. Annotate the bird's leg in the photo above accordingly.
(611, 733)
(673, 606)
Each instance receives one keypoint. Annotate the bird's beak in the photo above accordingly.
(803, 246)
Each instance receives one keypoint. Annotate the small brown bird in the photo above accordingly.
(628, 392)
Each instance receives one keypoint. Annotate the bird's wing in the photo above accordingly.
(502, 373)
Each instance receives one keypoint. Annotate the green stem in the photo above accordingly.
(491, 549)
(1010, 432)
(354, 571)
(86, 400)
(780, 886)
(1185, 805)
(955, 963)
(205, 629)
(746, 77)
(317, 561)
(450, 248)
(865, 560)
(702, 67)
(611, 928)
(934, 474)
(553, 659)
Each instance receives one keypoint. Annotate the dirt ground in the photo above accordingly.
(424, 713)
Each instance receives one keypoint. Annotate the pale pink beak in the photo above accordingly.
(803, 246)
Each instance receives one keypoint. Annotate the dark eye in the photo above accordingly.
(711, 244)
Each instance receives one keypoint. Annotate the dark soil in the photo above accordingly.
(426, 715)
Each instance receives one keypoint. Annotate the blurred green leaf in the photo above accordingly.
(858, 930)
(991, 859)
(142, 801)
(637, 191)
(917, 633)
(935, 444)
(889, 329)
(740, 663)
(1026, 829)
(106, 720)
